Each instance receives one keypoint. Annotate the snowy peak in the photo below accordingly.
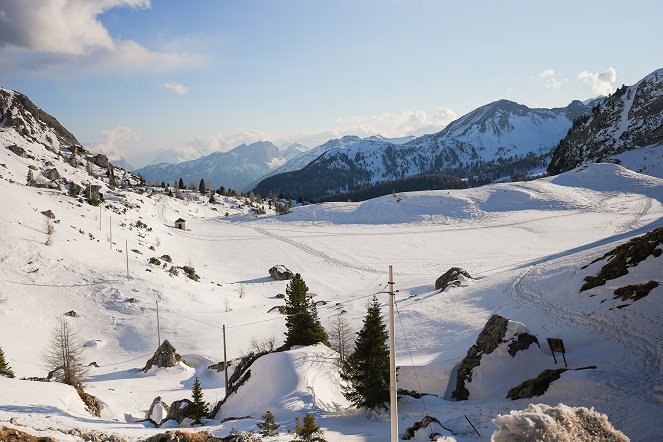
(236, 169)
(32, 123)
(632, 117)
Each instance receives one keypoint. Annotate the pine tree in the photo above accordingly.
(181, 184)
(212, 200)
(201, 187)
(302, 323)
(170, 193)
(199, 408)
(366, 370)
(268, 426)
(5, 369)
(308, 430)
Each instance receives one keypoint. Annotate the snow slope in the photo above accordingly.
(524, 244)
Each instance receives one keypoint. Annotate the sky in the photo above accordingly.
(164, 79)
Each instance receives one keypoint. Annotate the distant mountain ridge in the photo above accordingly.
(499, 139)
(632, 117)
(235, 169)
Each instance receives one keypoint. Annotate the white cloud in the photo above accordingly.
(550, 81)
(43, 34)
(178, 88)
(115, 139)
(396, 124)
(601, 82)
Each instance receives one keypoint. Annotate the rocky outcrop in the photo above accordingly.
(624, 256)
(165, 356)
(634, 292)
(52, 174)
(101, 160)
(158, 411)
(177, 410)
(48, 214)
(537, 386)
(452, 277)
(182, 436)
(17, 150)
(410, 432)
(631, 117)
(280, 273)
(492, 335)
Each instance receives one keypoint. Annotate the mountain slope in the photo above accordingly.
(235, 169)
(632, 117)
(21, 114)
(493, 142)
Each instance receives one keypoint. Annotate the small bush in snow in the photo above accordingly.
(555, 424)
(154, 261)
(190, 272)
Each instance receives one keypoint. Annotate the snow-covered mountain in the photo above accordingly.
(234, 169)
(630, 118)
(32, 123)
(293, 150)
(492, 142)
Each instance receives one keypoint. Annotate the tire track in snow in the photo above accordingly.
(639, 340)
(642, 209)
(317, 253)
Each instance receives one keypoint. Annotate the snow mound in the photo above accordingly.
(287, 382)
(559, 424)
(41, 398)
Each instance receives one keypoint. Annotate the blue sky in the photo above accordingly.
(150, 78)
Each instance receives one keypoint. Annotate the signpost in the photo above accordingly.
(557, 345)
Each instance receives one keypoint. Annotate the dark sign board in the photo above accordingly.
(557, 345)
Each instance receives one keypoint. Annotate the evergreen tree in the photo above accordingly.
(199, 408)
(302, 322)
(212, 200)
(170, 193)
(163, 185)
(5, 369)
(308, 430)
(201, 187)
(268, 426)
(180, 184)
(366, 370)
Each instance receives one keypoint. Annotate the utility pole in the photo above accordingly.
(99, 217)
(225, 359)
(393, 406)
(110, 231)
(158, 327)
(126, 249)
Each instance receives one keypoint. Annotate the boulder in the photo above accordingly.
(167, 258)
(48, 214)
(165, 356)
(493, 335)
(427, 421)
(17, 150)
(177, 410)
(52, 174)
(280, 273)
(537, 386)
(158, 411)
(101, 160)
(72, 314)
(452, 277)
(74, 189)
(219, 366)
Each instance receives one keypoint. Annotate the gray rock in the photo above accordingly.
(177, 410)
(52, 174)
(48, 214)
(427, 420)
(72, 314)
(536, 386)
(17, 150)
(280, 273)
(450, 277)
(101, 160)
(74, 189)
(157, 400)
(165, 356)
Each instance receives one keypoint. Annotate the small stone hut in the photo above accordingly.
(180, 224)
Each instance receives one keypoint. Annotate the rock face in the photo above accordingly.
(52, 174)
(48, 214)
(280, 273)
(158, 411)
(177, 410)
(631, 117)
(491, 337)
(410, 432)
(101, 160)
(165, 356)
(17, 150)
(626, 255)
(537, 386)
(452, 277)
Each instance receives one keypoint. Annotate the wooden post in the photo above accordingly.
(110, 231)
(393, 405)
(225, 359)
(126, 249)
(158, 327)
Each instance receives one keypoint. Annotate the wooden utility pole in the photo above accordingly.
(158, 327)
(225, 359)
(392, 362)
(126, 249)
(110, 231)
